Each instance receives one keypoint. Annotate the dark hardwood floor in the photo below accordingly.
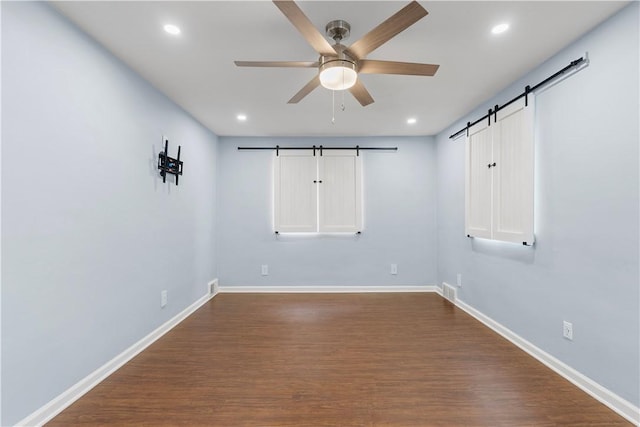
(408, 359)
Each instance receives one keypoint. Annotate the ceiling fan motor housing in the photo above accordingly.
(338, 30)
(341, 58)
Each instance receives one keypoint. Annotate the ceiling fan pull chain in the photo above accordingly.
(342, 104)
(333, 107)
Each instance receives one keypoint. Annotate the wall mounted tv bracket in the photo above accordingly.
(168, 164)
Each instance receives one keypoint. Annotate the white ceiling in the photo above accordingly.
(196, 69)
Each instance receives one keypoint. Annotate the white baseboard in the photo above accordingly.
(325, 289)
(595, 390)
(64, 400)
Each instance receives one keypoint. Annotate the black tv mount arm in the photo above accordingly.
(168, 164)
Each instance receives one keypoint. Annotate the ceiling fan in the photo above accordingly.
(339, 65)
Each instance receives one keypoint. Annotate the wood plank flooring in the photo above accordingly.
(334, 360)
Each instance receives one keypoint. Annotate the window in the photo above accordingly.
(318, 193)
(499, 175)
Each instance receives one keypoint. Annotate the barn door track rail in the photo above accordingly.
(319, 148)
(527, 90)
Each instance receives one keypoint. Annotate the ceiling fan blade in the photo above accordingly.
(293, 64)
(370, 66)
(381, 34)
(306, 90)
(306, 28)
(361, 94)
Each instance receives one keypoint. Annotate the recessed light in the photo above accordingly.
(411, 121)
(172, 29)
(500, 28)
(241, 117)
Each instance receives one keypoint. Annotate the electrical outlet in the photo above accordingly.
(459, 280)
(567, 330)
(394, 269)
(265, 270)
(163, 299)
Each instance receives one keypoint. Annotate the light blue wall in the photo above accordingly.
(584, 266)
(90, 234)
(86, 247)
(399, 219)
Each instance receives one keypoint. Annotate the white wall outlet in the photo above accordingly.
(567, 330)
(394, 269)
(459, 280)
(265, 270)
(163, 299)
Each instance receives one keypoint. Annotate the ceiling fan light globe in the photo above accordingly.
(338, 75)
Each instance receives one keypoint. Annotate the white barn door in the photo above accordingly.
(295, 191)
(340, 192)
(513, 153)
(478, 188)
